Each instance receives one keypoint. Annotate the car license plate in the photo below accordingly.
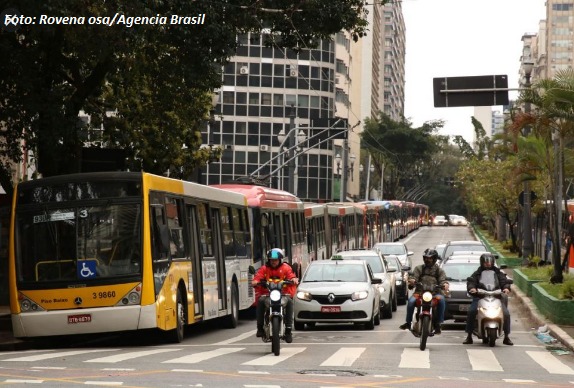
(330, 309)
(80, 318)
(463, 307)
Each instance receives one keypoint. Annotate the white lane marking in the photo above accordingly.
(253, 372)
(198, 357)
(415, 358)
(40, 357)
(518, 381)
(107, 383)
(483, 359)
(130, 355)
(18, 381)
(271, 359)
(550, 363)
(238, 338)
(344, 357)
(50, 367)
(188, 370)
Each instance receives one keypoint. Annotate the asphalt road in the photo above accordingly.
(327, 356)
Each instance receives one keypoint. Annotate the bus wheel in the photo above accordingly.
(178, 333)
(233, 318)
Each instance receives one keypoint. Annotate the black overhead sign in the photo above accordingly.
(482, 90)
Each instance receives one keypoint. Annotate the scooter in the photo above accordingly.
(489, 321)
(273, 321)
(425, 308)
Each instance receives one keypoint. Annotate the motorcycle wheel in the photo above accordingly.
(492, 334)
(275, 340)
(425, 326)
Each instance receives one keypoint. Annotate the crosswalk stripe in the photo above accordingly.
(483, 359)
(415, 358)
(198, 357)
(271, 359)
(130, 355)
(550, 363)
(344, 357)
(39, 357)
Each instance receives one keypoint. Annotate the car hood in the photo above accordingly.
(324, 288)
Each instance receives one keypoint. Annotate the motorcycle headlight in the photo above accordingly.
(359, 295)
(304, 296)
(427, 296)
(275, 295)
(490, 312)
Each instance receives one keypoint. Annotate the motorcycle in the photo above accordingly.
(273, 321)
(425, 307)
(488, 325)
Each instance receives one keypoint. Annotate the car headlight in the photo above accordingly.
(304, 296)
(398, 282)
(359, 295)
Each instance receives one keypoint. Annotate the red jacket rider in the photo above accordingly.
(270, 273)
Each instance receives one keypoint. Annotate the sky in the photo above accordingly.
(459, 38)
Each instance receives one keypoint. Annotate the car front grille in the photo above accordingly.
(334, 316)
(324, 299)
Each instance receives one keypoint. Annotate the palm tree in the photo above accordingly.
(553, 124)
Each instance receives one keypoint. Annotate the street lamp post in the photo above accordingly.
(527, 244)
(291, 177)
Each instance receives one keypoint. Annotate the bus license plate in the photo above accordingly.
(330, 309)
(80, 318)
(463, 307)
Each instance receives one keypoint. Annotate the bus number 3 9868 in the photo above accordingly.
(103, 295)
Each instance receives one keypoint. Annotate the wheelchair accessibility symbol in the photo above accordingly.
(86, 269)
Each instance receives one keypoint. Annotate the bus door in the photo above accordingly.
(208, 275)
(219, 262)
(197, 251)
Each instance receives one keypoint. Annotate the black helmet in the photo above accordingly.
(487, 258)
(430, 256)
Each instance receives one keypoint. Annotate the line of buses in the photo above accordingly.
(123, 251)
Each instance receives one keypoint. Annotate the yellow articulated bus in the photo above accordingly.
(118, 251)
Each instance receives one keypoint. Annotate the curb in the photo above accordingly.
(535, 315)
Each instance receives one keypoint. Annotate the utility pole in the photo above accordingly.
(291, 175)
(344, 172)
(527, 244)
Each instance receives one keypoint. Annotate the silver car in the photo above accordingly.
(337, 291)
(396, 248)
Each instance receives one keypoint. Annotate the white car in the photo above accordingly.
(337, 291)
(440, 221)
(379, 266)
(396, 248)
(458, 221)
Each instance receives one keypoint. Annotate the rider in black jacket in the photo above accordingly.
(487, 263)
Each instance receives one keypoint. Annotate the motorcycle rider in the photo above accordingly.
(428, 273)
(487, 263)
(275, 270)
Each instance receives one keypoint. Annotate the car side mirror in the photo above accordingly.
(251, 270)
(376, 281)
(406, 268)
(410, 253)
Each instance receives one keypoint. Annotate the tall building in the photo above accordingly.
(559, 41)
(269, 93)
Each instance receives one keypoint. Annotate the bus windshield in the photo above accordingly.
(78, 243)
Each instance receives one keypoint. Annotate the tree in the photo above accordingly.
(406, 152)
(154, 78)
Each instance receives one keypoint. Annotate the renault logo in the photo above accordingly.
(78, 301)
(331, 298)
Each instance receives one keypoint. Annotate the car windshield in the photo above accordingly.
(468, 247)
(459, 271)
(335, 273)
(392, 264)
(391, 249)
